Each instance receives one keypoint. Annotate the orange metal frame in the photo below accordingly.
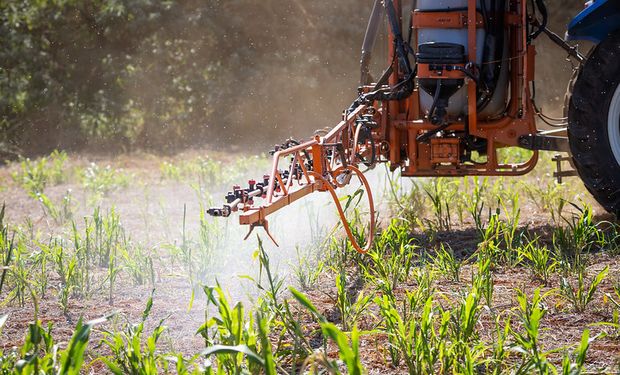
(404, 120)
(334, 157)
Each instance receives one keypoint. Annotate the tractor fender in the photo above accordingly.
(599, 19)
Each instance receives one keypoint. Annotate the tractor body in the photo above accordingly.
(600, 19)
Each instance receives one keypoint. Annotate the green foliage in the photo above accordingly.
(406, 205)
(539, 260)
(157, 74)
(482, 281)
(530, 314)
(35, 175)
(580, 295)
(445, 261)
(307, 268)
(441, 192)
(579, 236)
(101, 181)
(391, 259)
(60, 213)
(130, 355)
(284, 320)
(66, 268)
(349, 353)
(351, 309)
(198, 255)
(6, 247)
(40, 354)
(474, 201)
(231, 335)
(549, 198)
(418, 325)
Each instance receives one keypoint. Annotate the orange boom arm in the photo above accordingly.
(324, 163)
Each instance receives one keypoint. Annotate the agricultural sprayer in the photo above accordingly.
(458, 86)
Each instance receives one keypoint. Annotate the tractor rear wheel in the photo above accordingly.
(594, 123)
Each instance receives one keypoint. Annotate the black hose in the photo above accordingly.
(403, 89)
(401, 50)
(435, 99)
(542, 8)
(369, 41)
(373, 155)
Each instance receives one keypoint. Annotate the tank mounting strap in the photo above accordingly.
(544, 142)
(443, 20)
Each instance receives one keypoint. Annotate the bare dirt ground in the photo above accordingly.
(153, 210)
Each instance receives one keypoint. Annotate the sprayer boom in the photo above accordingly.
(324, 163)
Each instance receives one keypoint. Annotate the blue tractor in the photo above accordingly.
(593, 102)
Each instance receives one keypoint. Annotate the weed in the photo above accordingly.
(285, 321)
(41, 355)
(101, 181)
(615, 320)
(539, 260)
(580, 236)
(474, 201)
(446, 263)
(129, 354)
(6, 248)
(415, 340)
(550, 199)
(482, 281)
(170, 171)
(19, 273)
(534, 359)
(34, 175)
(350, 310)
(424, 278)
(230, 335)
(210, 239)
(441, 193)
(410, 206)
(65, 267)
(581, 294)
(391, 259)
(138, 263)
(104, 233)
(349, 353)
(577, 367)
(307, 269)
(465, 317)
(500, 353)
(60, 214)
(83, 250)
(500, 241)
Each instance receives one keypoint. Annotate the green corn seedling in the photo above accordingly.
(350, 310)
(533, 356)
(129, 353)
(446, 263)
(539, 260)
(580, 295)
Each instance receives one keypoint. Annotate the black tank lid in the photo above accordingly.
(440, 53)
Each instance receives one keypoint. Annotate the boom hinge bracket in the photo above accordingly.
(544, 142)
(560, 173)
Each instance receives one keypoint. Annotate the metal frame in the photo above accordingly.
(326, 163)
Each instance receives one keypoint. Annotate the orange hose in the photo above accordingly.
(343, 218)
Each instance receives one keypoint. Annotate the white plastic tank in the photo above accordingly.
(458, 102)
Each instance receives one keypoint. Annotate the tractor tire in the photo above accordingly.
(594, 123)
